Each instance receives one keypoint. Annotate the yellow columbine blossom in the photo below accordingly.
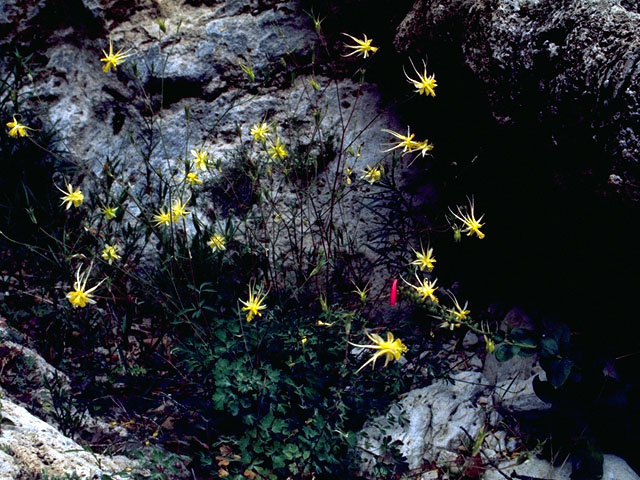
(459, 313)
(361, 292)
(391, 348)
(471, 225)
(217, 243)
(110, 253)
(112, 60)
(109, 212)
(424, 260)
(192, 178)
(200, 158)
(425, 288)
(255, 304)
(424, 147)
(163, 217)
(362, 46)
(372, 174)
(407, 143)
(260, 131)
(71, 197)
(277, 150)
(179, 211)
(424, 84)
(490, 345)
(17, 129)
(80, 295)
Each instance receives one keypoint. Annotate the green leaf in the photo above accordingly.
(549, 347)
(523, 337)
(504, 352)
(559, 371)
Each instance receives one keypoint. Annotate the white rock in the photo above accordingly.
(429, 422)
(29, 446)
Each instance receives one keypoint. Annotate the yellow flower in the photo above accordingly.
(248, 71)
(192, 178)
(200, 158)
(163, 217)
(112, 60)
(259, 131)
(424, 260)
(80, 295)
(277, 150)
(372, 174)
(362, 46)
(424, 147)
(407, 143)
(424, 84)
(303, 340)
(459, 313)
(255, 304)
(217, 243)
(71, 197)
(109, 212)
(348, 173)
(361, 292)
(178, 210)
(490, 346)
(425, 288)
(471, 225)
(17, 129)
(110, 253)
(390, 348)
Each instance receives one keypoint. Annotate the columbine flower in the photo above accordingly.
(200, 158)
(248, 71)
(163, 217)
(490, 346)
(112, 60)
(458, 313)
(277, 150)
(259, 131)
(255, 304)
(71, 197)
(109, 212)
(424, 84)
(179, 210)
(372, 174)
(424, 260)
(424, 147)
(407, 143)
(217, 243)
(471, 225)
(80, 295)
(425, 288)
(390, 348)
(110, 253)
(17, 129)
(361, 292)
(362, 46)
(192, 178)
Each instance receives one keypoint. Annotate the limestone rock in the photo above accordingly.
(429, 422)
(570, 68)
(613, 468)
(29, 446)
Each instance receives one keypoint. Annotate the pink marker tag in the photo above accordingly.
(394, 292)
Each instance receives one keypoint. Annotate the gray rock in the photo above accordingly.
(429, 422)
(613, 468)
(570, 66)
(29, 446)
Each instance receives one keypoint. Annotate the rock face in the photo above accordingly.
(569, 69)
(30, 446)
